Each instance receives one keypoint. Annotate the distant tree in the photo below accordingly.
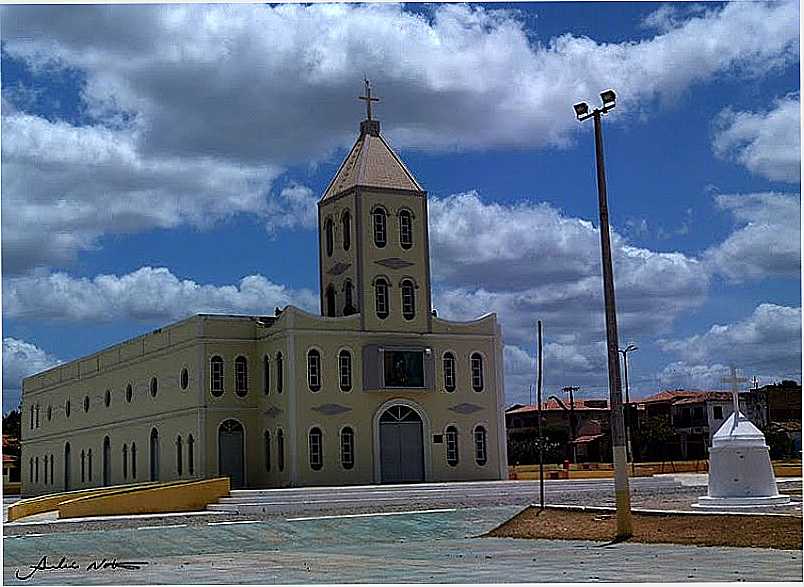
(12, 423)
(656, 435)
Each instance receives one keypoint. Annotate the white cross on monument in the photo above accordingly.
(735, 390)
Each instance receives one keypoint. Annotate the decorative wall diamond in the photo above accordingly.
(338, 268)
(331, 409)
(465, 408)
(394, 263)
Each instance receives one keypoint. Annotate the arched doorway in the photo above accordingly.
(401, 446)
(231, 462)
(107, 462)
(154, 455)
(67, 467)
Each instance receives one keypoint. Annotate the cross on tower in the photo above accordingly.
(368, 99)
(735, 389)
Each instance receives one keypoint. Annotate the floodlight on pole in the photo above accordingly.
(609, 98)
(618, 440)
(581, 110)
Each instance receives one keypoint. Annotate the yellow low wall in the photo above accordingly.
(184, 496)
(50, 502)
(787, 469)
(12, 488)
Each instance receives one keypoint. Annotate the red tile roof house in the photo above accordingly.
(591, 430)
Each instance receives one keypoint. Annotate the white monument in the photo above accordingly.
(740, 471)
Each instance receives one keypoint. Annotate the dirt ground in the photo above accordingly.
(780, 532)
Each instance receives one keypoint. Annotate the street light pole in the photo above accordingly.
(630, 453)
(621, 491)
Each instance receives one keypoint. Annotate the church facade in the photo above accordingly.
(377, 389)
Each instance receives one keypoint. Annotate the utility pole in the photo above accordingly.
(540, 366)
(621, 491)
(569, 389)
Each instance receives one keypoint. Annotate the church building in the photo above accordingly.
(377, 389)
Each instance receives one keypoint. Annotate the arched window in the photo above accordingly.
(345, 370)
(266, 374)
(83, 467)
(216, 376)
(154, 386)
(379, 221)
(477, 371)
(184, 378)
(347, 448)
(32, 417)
(449, 371)
(107, 398)
(316, 450)
(106, 462)
(348, 298)
(49, 413)
(330, 300)
(280, 373)
(86, 403)
(314, 370)
(329, 237)
(37, 415)
(381, 298)
(241, 376)
(154, 450)
(267, 439)
(133, 461)
(46, 469)
(405, 229)
(178, 456)
(129, 393)
(30, 470)
(51, 468)
(346, 222)
(125, 461)
(36, 472)
(408, 299)
(452, 445)
(67, 408)
(480, 445)
(89, 464)
(190, 455)
(280, 450)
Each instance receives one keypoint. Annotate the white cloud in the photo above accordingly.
(145, 294)
(529, 261)
(295, 207)
(65, 186)
(766, 143)
(21, 359)
(195, 109)
(767, 244)
(767, 342)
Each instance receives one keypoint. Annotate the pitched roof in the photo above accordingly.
(551, 405)
(705, 396)
(371, 163)
(669, 396)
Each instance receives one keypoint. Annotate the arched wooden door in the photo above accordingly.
(401, 446)
(231, 461)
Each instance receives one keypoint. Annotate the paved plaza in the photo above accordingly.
(438, 545)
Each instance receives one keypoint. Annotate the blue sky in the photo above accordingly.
(165, 160)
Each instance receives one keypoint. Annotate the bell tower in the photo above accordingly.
(374, 246)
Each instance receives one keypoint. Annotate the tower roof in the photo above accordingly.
(371, 162)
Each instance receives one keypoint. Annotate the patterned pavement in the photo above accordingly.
(431, 546)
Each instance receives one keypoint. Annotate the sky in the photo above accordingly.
(165, 160)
